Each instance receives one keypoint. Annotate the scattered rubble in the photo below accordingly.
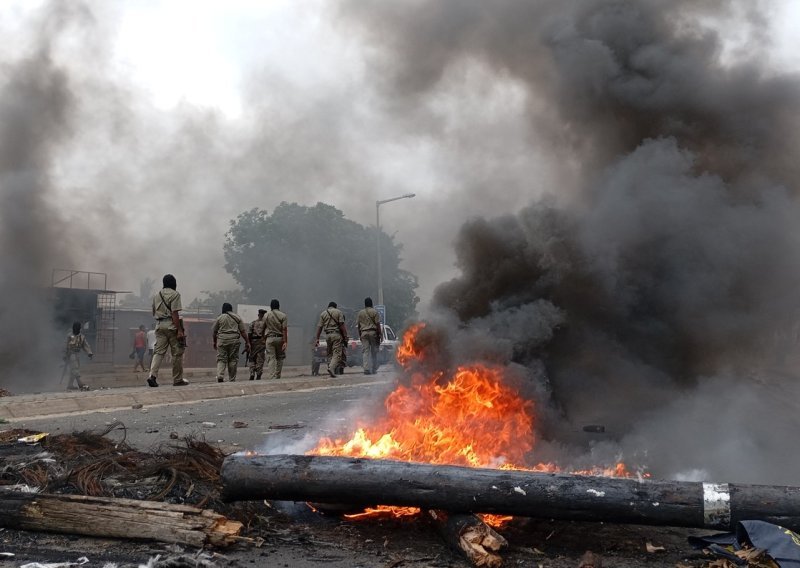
(99, 468)
(79, 477)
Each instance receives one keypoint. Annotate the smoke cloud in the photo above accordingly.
(36, 106)
(660, 278)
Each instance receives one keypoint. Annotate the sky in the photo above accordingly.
(209, 109)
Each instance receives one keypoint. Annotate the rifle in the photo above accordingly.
(182, 340)
(63, 371)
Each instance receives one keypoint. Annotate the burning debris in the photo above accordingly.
(467, 415)
(464, 416)
(449, 424)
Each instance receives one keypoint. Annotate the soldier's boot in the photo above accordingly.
(151, 381)
(252, 375)
(258, 376)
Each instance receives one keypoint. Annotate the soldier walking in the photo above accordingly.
(226, 331)
(331, 320)
(169, 332)
(258, 346)
(76, 342)
(276, 332)
(369, 330)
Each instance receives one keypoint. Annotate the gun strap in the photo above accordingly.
(163, 301)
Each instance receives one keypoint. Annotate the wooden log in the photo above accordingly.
(328, 479)
(469, 536)
(116, 518)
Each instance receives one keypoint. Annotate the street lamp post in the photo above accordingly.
(378, 229)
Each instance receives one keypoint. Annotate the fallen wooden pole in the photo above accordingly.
(469, 536)
(356, 481)
(116, 518)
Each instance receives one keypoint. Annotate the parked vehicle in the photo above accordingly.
(319, 357)
(353, 355)
(386, 350)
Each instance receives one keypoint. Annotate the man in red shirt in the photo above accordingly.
(139, 347)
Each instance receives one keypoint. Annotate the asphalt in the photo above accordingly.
(125, 389)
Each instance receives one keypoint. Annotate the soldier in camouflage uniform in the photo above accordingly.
(226, 331)
(169, 332)
(258, 346)
(331, 321)
(276, 331)
(76, 342)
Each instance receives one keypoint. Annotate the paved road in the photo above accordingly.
(277, 414)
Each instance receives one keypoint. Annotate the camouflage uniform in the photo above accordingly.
(164, 303)
(258, 348)
(330, 321)
(275, 323)
(76, 344)
(369, 325)
(227, 330)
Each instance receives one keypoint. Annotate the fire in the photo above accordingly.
(408, 349)
(467, 417)
(384, 511)
(471, 419)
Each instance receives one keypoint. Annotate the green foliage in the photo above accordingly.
(308, 256)
(214, 300)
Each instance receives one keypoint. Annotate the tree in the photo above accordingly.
(146, 291)
(214, 300)
(308, 256)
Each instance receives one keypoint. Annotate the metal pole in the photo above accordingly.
(378, 229)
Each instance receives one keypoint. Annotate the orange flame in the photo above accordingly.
(467, 417)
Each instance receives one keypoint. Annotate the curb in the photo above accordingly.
(28, 407)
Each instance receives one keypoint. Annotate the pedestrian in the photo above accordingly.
(225, 332)
(139, 346)
(276, 332)
(258, 346)
(169, 332)
(151, 342)
(331, 320)
(369, 330)
(76, 342)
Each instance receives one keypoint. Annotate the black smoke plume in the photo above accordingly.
(35, 119)
(659, 289)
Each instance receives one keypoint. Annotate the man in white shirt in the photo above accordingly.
(151, 342)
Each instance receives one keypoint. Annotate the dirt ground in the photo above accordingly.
(298, 537)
